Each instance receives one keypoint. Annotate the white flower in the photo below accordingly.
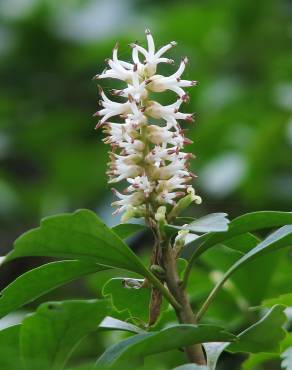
(158, 83)
(119, 70)
(111, 108)
(135, 89)
(127, 201)
(161, 135)
(169, 113)
(136, 116)
(123, 167)
(140, 183)
(152, 58)
(166, 197)
(175, 182)
(146, 154)
(172, 169)
(119, 132)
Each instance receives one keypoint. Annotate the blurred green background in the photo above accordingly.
(51, 158)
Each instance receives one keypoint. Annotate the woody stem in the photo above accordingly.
(184, 313)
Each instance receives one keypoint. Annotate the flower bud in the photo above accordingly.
(180, 241)
(184, 203)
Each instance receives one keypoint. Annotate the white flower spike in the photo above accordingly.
(146, 155)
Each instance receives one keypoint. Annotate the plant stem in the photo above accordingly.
(184, 313)
(194, 256)
(187, 273)
(150, 276)
(211, 296)
(164, 291)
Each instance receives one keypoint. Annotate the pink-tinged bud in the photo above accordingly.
(194, 176)
(190, 156)
(187, 141)
(190, 118)
(185, 98)
(99, 125)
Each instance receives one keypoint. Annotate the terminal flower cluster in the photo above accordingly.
(148, 145)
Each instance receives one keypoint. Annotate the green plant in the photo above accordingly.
(153, 303)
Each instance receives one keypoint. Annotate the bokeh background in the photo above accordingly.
(51, 158)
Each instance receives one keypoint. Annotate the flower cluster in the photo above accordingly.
(147, 147)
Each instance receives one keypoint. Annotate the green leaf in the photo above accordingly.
(240, 225)
(216, 222)
(48, 337)
(124, 231)
(184, 220)
(285, 299)
(213, 222)
(192, 367)
(287, 342)
(41, 280)
(9, 348)
(275, 241)
(127, 353)
(81, 235)
(265, 335)
(134, 301)
(110, 323)
(85, 367)
(222, 257)
(242, 243)
(256, 359)
(181, 265)
(262, 271)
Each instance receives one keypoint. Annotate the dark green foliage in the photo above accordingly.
(48, 337)
(41, 280)
(9, 348)
(50, 162)
(135, 301)
(132, 350)
(80, 235)
(263, 336)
